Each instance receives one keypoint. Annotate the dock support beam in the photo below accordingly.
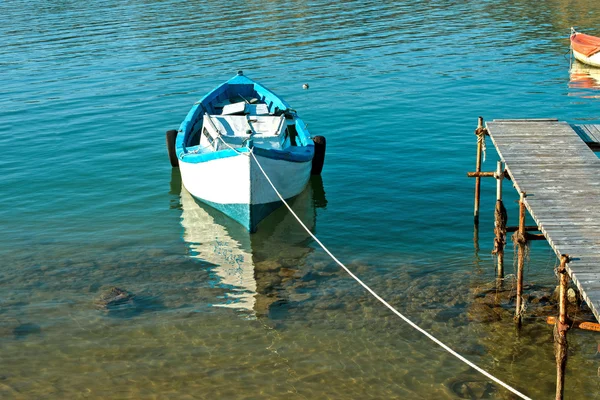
(480, 132)
(585, 325)
(561, 327)
(500, 219)
(520, 238)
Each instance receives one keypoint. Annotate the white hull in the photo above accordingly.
(223, 181)
(237, 187)
(593, 60)
(238, 180)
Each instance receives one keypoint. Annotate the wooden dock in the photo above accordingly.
(590, 134)
(552, 163)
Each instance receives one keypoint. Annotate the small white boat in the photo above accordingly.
(586, 48)
(227, 137)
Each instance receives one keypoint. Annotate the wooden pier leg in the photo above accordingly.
(476, 240)
(500, 219)
(480, 132)
(522, 242)
(560, 328)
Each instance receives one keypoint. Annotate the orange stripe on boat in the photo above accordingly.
(585, 44)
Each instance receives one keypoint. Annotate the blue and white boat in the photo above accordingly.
(224, 137)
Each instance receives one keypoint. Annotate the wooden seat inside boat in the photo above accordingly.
(243, 108)
(267, 131)
(240, 125)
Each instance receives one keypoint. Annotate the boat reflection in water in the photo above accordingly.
(583, 76)
(250, 268)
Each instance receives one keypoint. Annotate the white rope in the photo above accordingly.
(247, 154)
(481, 138)
(196, 151)
(385, 303)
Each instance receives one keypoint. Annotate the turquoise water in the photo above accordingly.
(89, 201)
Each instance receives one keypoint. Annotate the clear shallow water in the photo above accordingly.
(89, 200)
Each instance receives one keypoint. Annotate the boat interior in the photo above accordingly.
(239, 113)
(228, 94)
(266, 131)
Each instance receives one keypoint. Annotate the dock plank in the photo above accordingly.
(588, 132)
(552, 162)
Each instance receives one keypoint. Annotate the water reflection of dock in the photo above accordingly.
(246, 265)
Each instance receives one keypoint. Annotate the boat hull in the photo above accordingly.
(237, 187)
(225, 174)
(593, 60)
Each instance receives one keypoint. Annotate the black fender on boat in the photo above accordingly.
(319, 158)
(171, 136)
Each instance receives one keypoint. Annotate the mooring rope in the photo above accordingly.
(481, 139)
(381, 300)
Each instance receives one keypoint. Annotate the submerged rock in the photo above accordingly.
(482, 312)
(472, 388)
(267, 266)
(113, 297)
(24, 330)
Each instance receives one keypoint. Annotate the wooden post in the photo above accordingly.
(564, 281)
(499, 175)
(499, 223)
(561, 328)
(522, 242)
(480, 132)
(476, 240)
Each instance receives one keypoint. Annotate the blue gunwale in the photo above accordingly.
(293, 154)
(239, 84)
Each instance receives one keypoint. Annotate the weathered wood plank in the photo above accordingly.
(528, 120)
(572, 232)
(591, 131)
(583, 133)
(550, 161)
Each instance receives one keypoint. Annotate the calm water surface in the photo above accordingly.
(89, 201)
